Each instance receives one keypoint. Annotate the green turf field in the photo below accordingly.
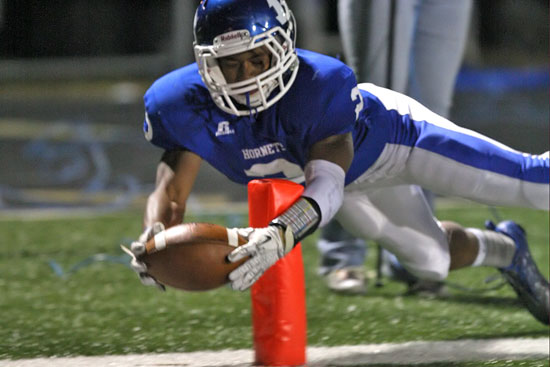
(101, 308)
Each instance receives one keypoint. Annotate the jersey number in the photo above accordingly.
(356, 95)
(291, 171)
(276, 4)
(148, 128)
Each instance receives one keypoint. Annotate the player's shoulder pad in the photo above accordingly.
(174, 99)
(333, 99)
(326, 78)
(322, 70)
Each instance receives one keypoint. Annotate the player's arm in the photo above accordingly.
(325, 172)
(337, 149)
(329, 160)
(176, 174)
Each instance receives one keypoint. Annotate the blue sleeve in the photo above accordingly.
(340, 104)
(344, 104)
(154, 128)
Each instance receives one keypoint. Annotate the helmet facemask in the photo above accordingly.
(239, 98)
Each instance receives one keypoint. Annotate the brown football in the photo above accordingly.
(192, 256)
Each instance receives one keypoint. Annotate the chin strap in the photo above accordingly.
(253, 110)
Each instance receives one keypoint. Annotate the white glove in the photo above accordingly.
(137, 249)
(265, 246)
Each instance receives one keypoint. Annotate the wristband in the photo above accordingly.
(300, 220)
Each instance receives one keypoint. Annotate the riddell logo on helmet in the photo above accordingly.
(233, 36)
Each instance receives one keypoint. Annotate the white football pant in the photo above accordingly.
(381, 204)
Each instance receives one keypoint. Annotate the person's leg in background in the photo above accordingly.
(437, 56)
(413, 47)
(367, 29)
(343, 255)
(343, 259)
(438, 44)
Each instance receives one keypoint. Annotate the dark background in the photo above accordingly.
(73, 72)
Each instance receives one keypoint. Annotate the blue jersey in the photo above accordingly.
(323, 101)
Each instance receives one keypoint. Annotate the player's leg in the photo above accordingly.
(392, 268)
(474, 247)
(505, 247)
(432, 152)
(400, 219)
(459, 162)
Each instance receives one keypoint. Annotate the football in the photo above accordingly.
(192, 256)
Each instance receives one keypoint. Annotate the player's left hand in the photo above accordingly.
(137, 249)
(265, 246)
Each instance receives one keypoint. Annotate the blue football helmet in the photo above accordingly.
(228, 27)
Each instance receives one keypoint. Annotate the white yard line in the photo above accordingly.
(402, 353)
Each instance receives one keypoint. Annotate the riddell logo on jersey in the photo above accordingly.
(224, 129)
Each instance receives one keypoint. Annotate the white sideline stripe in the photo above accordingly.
(399, 353)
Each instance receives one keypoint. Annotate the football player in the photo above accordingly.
(255, 107)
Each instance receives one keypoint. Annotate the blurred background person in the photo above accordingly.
(411, 46)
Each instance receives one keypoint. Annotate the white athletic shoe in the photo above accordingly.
(350, 280)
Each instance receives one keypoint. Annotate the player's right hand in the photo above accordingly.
(264, 247)
(137, 249)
